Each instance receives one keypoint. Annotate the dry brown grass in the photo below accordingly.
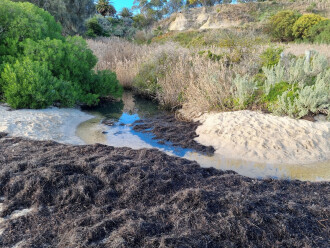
(188, 79)
(300, 49)
(120, 56)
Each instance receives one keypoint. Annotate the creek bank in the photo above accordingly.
(43, 124)
(261, 137)
(101, 196)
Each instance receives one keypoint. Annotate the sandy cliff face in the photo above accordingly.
(207, 18)
(231, 15)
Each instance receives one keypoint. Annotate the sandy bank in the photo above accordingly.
(265, 138)
(46, 124)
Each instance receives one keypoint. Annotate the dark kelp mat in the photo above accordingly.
(166, 128)
(101, 196)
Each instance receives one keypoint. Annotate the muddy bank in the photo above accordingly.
(166, 128)
(99, 196)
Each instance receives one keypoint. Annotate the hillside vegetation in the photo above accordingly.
(238, 62)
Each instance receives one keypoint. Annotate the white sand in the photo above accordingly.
(47, 124)
(259, 137)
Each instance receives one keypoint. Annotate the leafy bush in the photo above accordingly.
(243, 90)
(103, 84)
(19, 21)
(303, 25)
(94, 29)
(101, 26)
(29, 84)
(40, 67)
(320, 33)
(271, 56)
(281, 25)
(298, 86)
(146, 82)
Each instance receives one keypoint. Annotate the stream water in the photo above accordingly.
(131, 109)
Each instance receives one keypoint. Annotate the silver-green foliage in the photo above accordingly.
(243, 89)
(311, 75)
(315, 98)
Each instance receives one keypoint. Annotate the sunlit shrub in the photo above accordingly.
(303, 25)
(243, 90)
(281, 25)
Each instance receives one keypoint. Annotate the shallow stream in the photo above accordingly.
(121, 134)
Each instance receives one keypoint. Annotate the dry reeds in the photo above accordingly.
(188, 78)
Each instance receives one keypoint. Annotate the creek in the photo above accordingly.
(120, 133)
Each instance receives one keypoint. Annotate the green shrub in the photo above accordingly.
(280, 25)
(303, 25)
(29, 84)
(105, 83)
(298, 86)
(94, 29)
(40, 67)
(70, 60)
(243, 90)
(271, 56)
(24, 20)
(320, 33)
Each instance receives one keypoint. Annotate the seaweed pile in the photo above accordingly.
(166, 128)
(101, 196)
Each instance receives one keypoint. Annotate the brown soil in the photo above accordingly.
(101, 196)
(166, 128)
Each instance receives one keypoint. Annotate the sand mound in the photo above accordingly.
(55, 195)
(265, 138)
(46, 124)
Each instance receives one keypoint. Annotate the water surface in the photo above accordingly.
(121, 134)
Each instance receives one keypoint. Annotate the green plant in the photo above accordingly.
(105, 8)
(29, 84)
(320, 33)
(271, 56)
(45, 67)
(302, 26)
(243, 90)
(298, 86)
(23, 21)
(280, 26)
(94, 29)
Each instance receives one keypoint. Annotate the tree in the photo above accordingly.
(70, 13)
(125, 12)
(104, 7)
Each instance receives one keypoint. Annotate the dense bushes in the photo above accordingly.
(40, 67)
(298, 86)
(289, 26)
(320, 33)
(71, 14)
(111, 26)
(29, 84)
(281, 24)
(303, 25)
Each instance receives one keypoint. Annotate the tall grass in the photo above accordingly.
(186, 77)
(120, 56)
